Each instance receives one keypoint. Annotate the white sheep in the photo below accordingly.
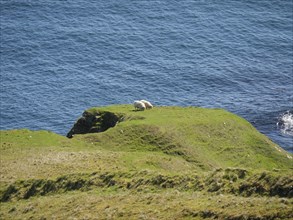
(138, 105)
(147, 104)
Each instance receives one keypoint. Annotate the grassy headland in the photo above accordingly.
(163, 163)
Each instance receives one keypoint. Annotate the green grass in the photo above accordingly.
(212, 138)
(159, 163)
(113, 203)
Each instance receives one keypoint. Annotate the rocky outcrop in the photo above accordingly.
(94, 122)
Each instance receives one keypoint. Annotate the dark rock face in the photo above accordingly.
(94, 122)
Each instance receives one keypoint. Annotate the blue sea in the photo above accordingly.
(59, 58)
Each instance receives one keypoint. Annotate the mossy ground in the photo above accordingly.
(164, 163)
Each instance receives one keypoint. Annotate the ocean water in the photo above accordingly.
(59, 58)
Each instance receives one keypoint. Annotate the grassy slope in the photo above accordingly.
(209, 137)
(154, 164)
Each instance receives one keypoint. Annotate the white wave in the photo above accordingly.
(285, 123)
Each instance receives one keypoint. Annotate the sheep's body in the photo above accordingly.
(138, 105)
(147, 104)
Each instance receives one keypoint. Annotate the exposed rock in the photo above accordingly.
(94, 122)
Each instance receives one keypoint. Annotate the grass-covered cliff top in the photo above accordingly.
(158, 163)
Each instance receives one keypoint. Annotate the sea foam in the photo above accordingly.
(285, 122)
